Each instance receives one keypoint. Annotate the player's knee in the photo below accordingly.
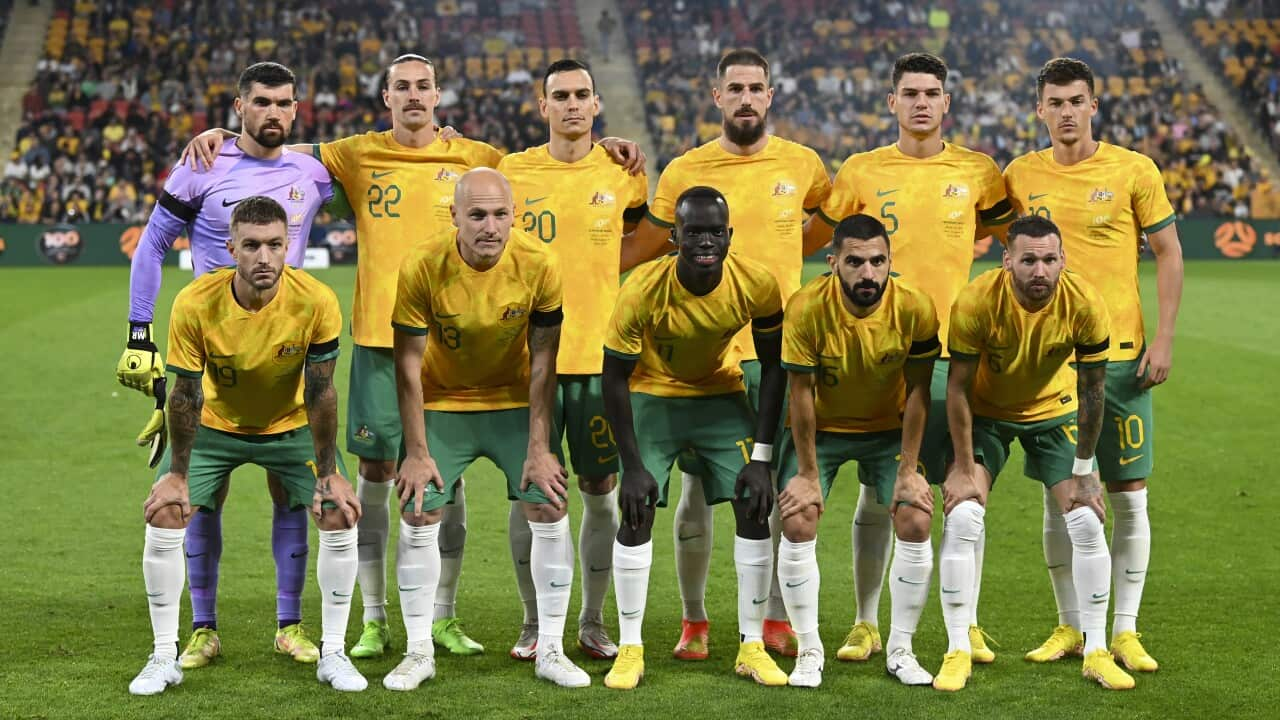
(597, 484)
(966, 521)
(748, 525)
(377, 470)
(169, 517)
(333, 519)
(801, 527)
(1085, 530)
(912, 524)
(542, 512)
(428, 517)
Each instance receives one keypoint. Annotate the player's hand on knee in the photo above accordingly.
(337, 490)
(961, 485)
(543, 470)
(1086, 491)
(637, 496)
(626, 153)
(169, 491)
(801, 493)
(756, 480)
(412, 480)
(912, 489)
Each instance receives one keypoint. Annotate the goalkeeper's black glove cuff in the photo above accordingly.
(140, 336)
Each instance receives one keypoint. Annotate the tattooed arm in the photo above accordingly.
(541, 467)
(321, 402)
(185, 404)
(1091, 386)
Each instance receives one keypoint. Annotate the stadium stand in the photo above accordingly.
(123, 84)
(831, 79)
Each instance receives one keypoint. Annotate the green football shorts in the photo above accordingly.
(936, 443)
(751, 378)
(877, 455)
(580, 419)
(289, 455)
(717, 429)
(1126, 448)
(1050, 446)
(373, 410)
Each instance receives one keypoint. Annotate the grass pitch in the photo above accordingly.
(74, 629)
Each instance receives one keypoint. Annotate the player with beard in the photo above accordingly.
(935, 198)
(770, 183)
(200, 206)
(859, 347)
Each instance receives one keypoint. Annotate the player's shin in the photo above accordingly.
(417, 575)
(776, 609)
(979, 552)
(908, 590)
(1091, 571)
(453, 540)
(204, 554)
(693, 528)
(595, 550)
(754, 562)
(163, 575)
(960, 532)
(872, 544)
(1130, 553)
(1057, 557)
(631, 566)
(374, 527)
(520, 538)
(289, 546)
(798, 575)
(551, 562)
(336, 575)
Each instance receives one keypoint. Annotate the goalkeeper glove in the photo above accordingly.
(140, 364)
(154, 432)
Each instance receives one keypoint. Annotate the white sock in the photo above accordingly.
(374, 526)
(336, 569)
(872, 543)
(960, 532)
(551, 560)
(1057, 557)
(776, 608)
(1130, 554)
(417, 574)
(1091, 570)
(908, 590)
(693, 530)
(595, 550)
(521, 540)
(164, 572)
(631, 588)
(754, 562)
(979, 551)
(798, 573)
(452, 542)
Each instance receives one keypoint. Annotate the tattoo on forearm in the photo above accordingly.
(543, 337)
(321, 401)
(185, 403)
(1092, 388)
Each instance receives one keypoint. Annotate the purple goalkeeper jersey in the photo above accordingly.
(200, 203)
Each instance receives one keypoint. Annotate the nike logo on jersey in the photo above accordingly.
(882, 193)
(1033, 197)
(535, 201)
(379, 175)
(1135, 458)
(229, 203)
(609, 458)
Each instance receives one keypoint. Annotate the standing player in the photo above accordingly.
(1013, 332)
(669, 370)
(770, 183)
(859, 348)
(1106, 198)
(935, 198)
(201, 205)
(483, 387)
(570, 194)
(254, 350)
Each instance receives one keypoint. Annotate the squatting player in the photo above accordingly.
(1013, 332)
(254, 349)
(934, 198)
(672, 385)
(770, 183)
(201, 205)
(571, 195)
(484, 386)
(859, 347)
(1105, 198)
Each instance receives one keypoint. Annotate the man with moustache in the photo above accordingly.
(200, 205)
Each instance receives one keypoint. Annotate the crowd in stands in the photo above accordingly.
(831, 64)
(123, 84)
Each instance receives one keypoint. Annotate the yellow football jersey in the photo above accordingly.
(768, 195)
(401, 196)
(477, 354)
(577, 209)
(1023, 373)
(931, 209)
(685, 343)
(1102, 205)
(858, 361)
(252, 362)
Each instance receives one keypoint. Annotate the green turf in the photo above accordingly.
(74, 627)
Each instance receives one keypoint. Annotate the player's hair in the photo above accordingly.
(566, 65)
(742, 56)
(700, 192)
(858, 227)
(267, 74)
(1035, 226)
(919, 63)
(1064, 71)
(408, 58)
(258, 210)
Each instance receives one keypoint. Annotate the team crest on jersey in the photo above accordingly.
(447, 175)
(512, 314)
(296, 195)
(890, 358)
(784, 188)
(602, 199)
(1101, 194)
(287, 351)
(955, 192)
